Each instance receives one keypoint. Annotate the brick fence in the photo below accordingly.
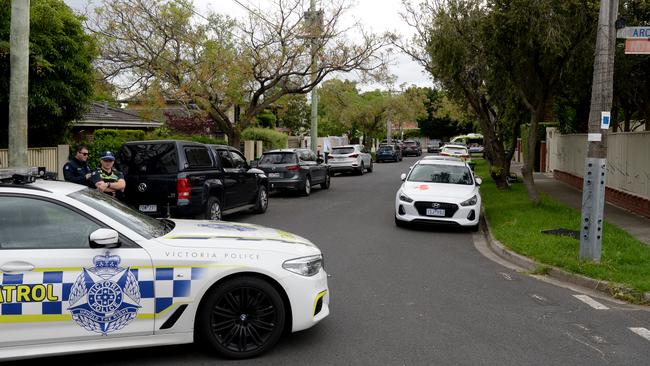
(636, 204)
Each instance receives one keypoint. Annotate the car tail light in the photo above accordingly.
(183, 188)
(444, 153)
(293, 167)
(353, 156)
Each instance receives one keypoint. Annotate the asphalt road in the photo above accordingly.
(419, 296)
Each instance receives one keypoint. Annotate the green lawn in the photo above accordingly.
(518, 224)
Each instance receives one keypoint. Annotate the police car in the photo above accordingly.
(80, 271)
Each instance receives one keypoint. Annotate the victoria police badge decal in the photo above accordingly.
(105, 298)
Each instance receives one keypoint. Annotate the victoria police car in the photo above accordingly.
(79, 271)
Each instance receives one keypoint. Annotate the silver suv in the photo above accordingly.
(351, 158)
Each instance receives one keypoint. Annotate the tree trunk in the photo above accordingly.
(529, 161)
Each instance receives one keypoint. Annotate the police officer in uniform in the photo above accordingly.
(107, 179)
(76, 170)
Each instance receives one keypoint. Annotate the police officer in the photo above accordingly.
(76, 170)
(107, 179)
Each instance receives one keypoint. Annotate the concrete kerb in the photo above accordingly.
(610, 289)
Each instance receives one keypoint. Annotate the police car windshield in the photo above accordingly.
(144, 225)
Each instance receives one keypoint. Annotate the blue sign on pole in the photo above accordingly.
(604, 120)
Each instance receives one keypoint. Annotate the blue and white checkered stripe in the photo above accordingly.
(158, 291)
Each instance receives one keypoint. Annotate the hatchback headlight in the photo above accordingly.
(405, 198)
(470, 202)
(305, 266)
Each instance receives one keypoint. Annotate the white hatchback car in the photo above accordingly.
(438, 191)
(82, 272)
(351, 158)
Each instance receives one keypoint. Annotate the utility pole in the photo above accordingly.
(593, 191)
(314, 23)
(18, 84)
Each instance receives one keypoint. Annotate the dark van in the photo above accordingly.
(189, 179)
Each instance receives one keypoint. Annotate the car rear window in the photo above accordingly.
(411, 143)
(197, 157)
(279, 158)
(385, 148)
(343, 150)
(434, 173)
(148, 159)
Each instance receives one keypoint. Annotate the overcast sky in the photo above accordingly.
(378, 16)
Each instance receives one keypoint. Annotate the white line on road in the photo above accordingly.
(591, 302)
(642, 332)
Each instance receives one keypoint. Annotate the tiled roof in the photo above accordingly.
(101, 115)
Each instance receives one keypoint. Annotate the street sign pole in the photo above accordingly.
(18, 83)
(593, 192)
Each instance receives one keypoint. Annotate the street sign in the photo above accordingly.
(637, 47)
(604, 120)
(633, 33)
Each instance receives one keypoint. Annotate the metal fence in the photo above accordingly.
(52, 158)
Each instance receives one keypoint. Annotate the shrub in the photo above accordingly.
(272, 139)
(110, 140)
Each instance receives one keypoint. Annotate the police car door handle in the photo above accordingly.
(13, 267)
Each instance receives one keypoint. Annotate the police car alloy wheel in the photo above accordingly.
(242, 317)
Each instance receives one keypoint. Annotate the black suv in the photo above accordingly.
(189, 179)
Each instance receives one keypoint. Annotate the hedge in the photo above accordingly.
(272, 139)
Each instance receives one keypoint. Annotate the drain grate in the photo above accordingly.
(563, 232)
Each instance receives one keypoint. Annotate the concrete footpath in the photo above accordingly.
(636, 225)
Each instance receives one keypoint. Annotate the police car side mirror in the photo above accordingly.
(403, 177)
(104, 238)
(479, 181)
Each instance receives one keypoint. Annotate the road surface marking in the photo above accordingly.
(591, 302)
(642, 332)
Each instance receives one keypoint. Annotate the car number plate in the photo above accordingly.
(274, 175)
(148, 208)
(435, 212)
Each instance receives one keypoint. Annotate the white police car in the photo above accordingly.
(79, 271)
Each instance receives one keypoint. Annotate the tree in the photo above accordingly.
(444, 119)
(531, 44)
(60, 71)
(293, 113)
(450, 42)
(218, 63)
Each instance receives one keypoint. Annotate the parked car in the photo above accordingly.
(439, 192)
(189, 179)
(458, 151)
(92, 274)
(294, 169)
(434, 146)
(388, 153)
(412, 148)
(350, 158)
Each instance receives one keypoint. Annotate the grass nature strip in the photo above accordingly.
(518, 225)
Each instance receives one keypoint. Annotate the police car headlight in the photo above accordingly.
(305, 266)
(470, 202)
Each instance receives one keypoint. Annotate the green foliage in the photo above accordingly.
(60, 70)
(110, 140)
(518, 224)
(293, 112)
(443, 118)
(164, 133)
(272, 139)
(266, 119)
